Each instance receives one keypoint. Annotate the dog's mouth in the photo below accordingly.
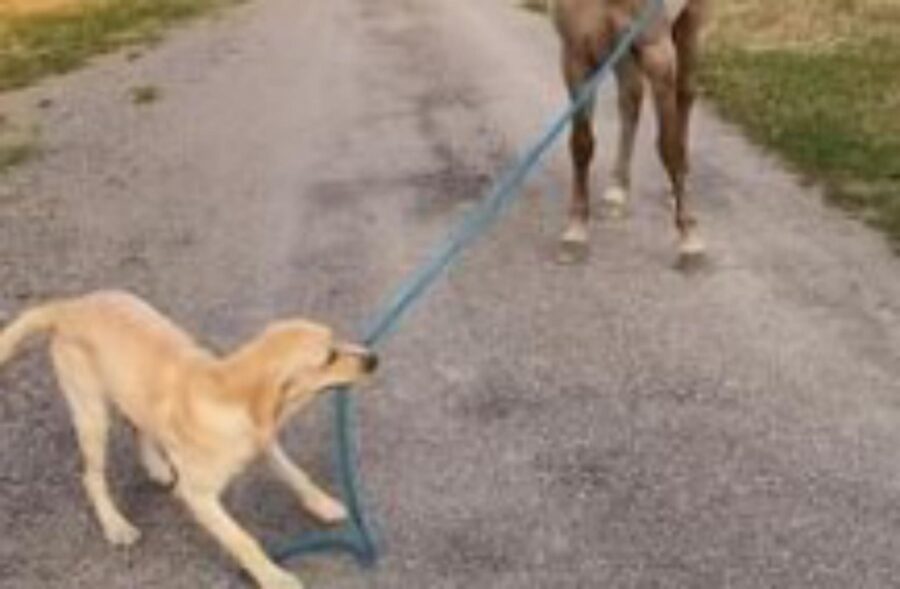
(362, 359)
(350, 365)
(370, 362)
(366, 367)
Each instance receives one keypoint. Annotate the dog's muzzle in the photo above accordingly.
(370, 362)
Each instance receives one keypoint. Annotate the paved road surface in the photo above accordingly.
(615, 424)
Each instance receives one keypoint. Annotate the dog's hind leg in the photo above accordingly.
(314, 499)
(90, 414)
(631, 97)
(155, 463)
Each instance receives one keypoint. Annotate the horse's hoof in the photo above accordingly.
(691, 245)
(615, 203)
(614, 212)
(572, 251)
(691, 253)
(689, 263)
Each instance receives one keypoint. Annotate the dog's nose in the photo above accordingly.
(370, 362)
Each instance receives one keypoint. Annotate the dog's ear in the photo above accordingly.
(266, 408)
(265, 369)
(273, 394)
(271, 397)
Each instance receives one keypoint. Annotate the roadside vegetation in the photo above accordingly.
(41, 37)
(536, 5)
(145, 94)
(18, 144)
(819, 81)
(45, 37)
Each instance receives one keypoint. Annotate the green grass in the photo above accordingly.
(37, 45)
(145, 94)
(17, 145)
(535, 5)
(833, 112)
(16, 154)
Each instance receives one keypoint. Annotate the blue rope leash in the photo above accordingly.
(358, 536)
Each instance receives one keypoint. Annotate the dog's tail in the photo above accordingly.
(32, 322)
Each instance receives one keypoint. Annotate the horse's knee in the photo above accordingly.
(660, 64)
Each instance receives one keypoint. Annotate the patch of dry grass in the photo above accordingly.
(145, 94)
(40, 37)
(32, 7)
(818, 81)
(801, 25)
(18, 143)
(536, 5)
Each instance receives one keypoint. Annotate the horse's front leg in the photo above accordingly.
(581, 145)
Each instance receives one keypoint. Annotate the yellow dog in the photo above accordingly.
(200, 419)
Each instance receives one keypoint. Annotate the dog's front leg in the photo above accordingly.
(208, 511)
(314, 499)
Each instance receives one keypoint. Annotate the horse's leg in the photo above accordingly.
(659, 61)
(577, 67)
(686, 35)
(631, 97)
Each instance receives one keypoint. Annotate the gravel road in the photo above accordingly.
(614, 424)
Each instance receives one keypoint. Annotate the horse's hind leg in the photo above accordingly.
(660, 63)
(686, 35)
(631, 96)
(581, 144)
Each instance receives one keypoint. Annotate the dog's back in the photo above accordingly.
(117, 342)
(119, 318)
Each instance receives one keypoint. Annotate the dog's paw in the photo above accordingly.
(282, 580)
(327, 510)
(122, 533)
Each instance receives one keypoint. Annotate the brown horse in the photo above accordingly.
(666, 53)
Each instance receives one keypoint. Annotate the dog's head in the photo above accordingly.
(306, 359)
(293, 361)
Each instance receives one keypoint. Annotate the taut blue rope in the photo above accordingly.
(357, 537)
